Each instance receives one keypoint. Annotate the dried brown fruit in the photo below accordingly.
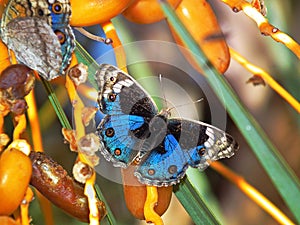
(52, 180)
(16, 81)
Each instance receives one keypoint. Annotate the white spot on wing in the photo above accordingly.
(211, 138)
(126, 83)
(117, 88)
(123, 83)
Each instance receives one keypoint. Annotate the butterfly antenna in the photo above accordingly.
(194, 102)
(106, 41)
(165, 104)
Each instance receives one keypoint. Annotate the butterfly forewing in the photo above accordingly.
(120, 94)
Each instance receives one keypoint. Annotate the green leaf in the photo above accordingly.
(110, 216)
(84, 57)
(278, 170)
(56, 105)
(193, 203)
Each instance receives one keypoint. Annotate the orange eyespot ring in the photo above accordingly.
(172, 169)
(151, 172)
(202, 151)
(57, 8)
(61, 36)
(118, 152)
(110, 132)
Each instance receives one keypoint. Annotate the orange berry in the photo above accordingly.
(92, 12)
(147, 11)
(200, 20)
(5, 220)
(2, 6)
(15, 173)
(4, 56)
(135, 195)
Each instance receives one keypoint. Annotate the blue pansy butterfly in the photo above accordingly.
(39, 33)
(133, 132)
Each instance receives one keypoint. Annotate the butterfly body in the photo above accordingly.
(133, 132)
(39, 34)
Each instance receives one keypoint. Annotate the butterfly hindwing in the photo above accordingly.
(60, 12)
(66, 39)
(186, 143)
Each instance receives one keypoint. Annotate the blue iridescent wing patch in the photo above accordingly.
(39, 33)
(161, 148)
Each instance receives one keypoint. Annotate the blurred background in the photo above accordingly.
(278, 119)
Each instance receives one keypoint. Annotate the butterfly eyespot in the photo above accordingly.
(112, 97)
(112, 79)
(110, 132)
(60, 36)
(201, 151)
(40, 12)
(118, 152)
(57, 8)
(172, 169)
(218, 142)
(151, 172)
(137, 161)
